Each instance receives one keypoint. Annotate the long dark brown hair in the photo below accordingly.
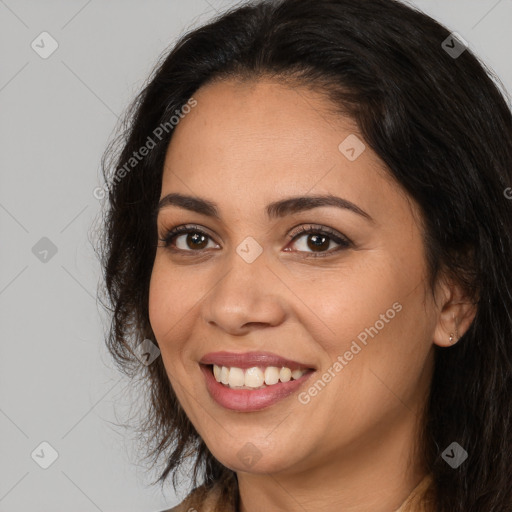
(441, 123)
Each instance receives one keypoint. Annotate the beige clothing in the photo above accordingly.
(199, 501)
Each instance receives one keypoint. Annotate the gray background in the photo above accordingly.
(57, 382)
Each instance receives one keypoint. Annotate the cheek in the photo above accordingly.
(174, 298)
(166, 308)
(375, 319)
(159, 300)
(354, 299)
(169, 297)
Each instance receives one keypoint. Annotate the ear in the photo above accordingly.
(455, 315)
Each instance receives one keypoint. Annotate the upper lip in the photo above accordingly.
(250, 359)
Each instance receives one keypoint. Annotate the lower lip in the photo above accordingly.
(245, 400)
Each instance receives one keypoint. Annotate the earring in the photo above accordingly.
(454, 336)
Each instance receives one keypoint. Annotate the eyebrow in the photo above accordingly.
(276, 209)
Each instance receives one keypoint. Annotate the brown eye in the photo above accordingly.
(318, 241)
(194, 241)
(186, 238)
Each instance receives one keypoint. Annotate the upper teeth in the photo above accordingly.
(254, 377)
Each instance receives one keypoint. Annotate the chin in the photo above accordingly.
(250, 455)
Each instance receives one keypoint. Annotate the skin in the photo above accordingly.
(352, 447)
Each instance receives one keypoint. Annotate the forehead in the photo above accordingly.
(255, 140)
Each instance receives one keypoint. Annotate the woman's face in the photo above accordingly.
(347, 301)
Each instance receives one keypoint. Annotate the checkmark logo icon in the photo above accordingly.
(454, 455)
(44, 455)
(146, 352)
(44, 45)
(454, 45)
(249, 249)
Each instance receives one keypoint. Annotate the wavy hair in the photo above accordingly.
(441, 123)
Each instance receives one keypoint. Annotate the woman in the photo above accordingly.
(309, 218)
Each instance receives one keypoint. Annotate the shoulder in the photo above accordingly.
(422, 498)
(205, 499)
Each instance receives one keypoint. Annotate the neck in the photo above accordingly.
(377, 475)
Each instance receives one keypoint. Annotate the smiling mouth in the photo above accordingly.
(256, 377)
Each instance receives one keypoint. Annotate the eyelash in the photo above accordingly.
(344, 242)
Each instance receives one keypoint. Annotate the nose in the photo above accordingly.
(247, 296)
